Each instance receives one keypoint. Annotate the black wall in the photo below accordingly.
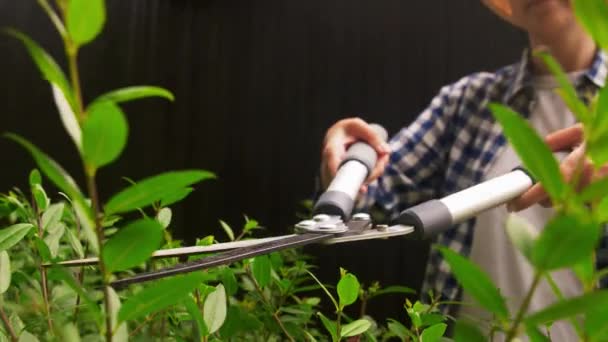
(257, 83)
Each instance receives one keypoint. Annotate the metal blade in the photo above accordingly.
(225, 258)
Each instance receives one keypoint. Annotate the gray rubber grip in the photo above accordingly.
(334, 203)
(428, 218)
(363, 152)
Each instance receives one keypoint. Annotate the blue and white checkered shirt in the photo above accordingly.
(451, 145)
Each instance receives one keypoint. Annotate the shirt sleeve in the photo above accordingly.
(418, 160)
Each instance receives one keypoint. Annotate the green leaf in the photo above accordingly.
(476, 283)
(584, 271)
(158, 296)
(35, 178)
(175, 197)
(132, 245)
(164, 217)
(595, 191)
(120, 329)
(12, 235)
(466, 332)
(429, 319)
(535, 154)
(69, 333)
(598, 149)
(250, 225)
(599, 129)
(569, 308)
(433, 333)
(43, 249)
(602, 210)
(61, 274)
(399, 330)
(214, 309)
(75, 243)
(391, 290)
(348, 289)
(67, 115)
(52, 239)
(227, 229)
(595, 324)
(135, 93)
(153, 189)
(329, 326)
(5, 272)
(535, 335)
(26, 336)
(229, 281)
(104, 134)
(566, 90)
(52, 215)
(85, 19)
(42, 200)
(355, 328)
(262, 268)
(196, 315)
(592, 15)
(46, 65)
(521, 233)
(565, 241)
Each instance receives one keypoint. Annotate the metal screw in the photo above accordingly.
(382, 227)
(361, 217)
(321, 218)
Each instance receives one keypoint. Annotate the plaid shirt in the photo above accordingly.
(451, 145)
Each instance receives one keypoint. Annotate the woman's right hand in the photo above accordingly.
(337, 140)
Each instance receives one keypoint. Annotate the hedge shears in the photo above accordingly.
(333, 221)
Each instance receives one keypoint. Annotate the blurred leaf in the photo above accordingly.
(348, 289)
(35, 178)
(27, 336)
(602, 210)
(476, 283)
(521, 233)
(400, 330)
(69, 333)
(392, 289)
(52, 239)
(52, 215)
(135, 93)
(535, 335)
(535, 154)
(214, 309)
(569, 308)
(158, 296)
(598, 149)
(40, 196)
(152, 189)
(75, 243)
(355, 328)
(227, 229)
(85, 19)
(43, 249)
(466, 332)
(196, 315)
(596, 190)
(175, 197)
(5, 272)
(12, 235)
(238, 320)
(592, 15)
(595, 324)
(104, 134)
(429, 319)
(599, 129)
(120, 329)
(433, 333)
(584, 271)
(229, 281)
(67, 115)
(132, 245)
(329, 326)
(250, 225)
(414, 317)
(262, 268)
(61, 274)
(565, 241)
(566, 90)
(164, 217)
(46, 65)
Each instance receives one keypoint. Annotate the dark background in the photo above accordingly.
(257, 82)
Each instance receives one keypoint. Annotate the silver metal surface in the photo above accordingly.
(324, 224)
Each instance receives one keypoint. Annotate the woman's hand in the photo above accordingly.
(337, 140)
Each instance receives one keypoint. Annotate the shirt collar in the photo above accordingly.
(596, 74)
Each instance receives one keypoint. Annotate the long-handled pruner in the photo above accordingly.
(332, 221)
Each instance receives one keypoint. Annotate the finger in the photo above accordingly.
(534, 195)
(363, 131)
(379, 168)
(363, 189)
(565, 139)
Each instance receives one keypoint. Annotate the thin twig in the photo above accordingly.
(524, 307)
(8, 325)
(274, 312)
(42, 269)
